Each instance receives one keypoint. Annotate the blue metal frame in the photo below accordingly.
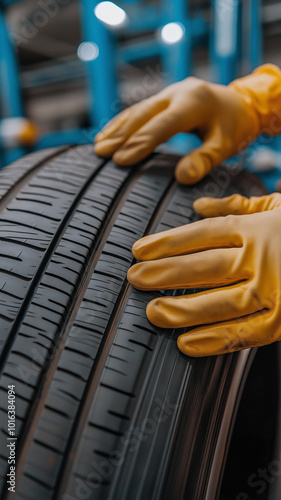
(255, 33)
(11, 102)
(227, 37)
(101, 73)
(177, 57)
(225, 40)
(10, 92)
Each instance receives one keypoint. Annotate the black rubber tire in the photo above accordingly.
(107, 408)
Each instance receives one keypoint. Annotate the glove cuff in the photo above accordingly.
(262, 92)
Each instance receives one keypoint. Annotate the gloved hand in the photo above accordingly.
(226, 118)
(237, 255)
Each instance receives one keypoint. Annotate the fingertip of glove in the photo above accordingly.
(135, 250)
(98, 137)
(181, 344)
(101, 149)
(153, 312)
(96, 148)
(132, 276)
(138, 276)
(120, 159)
(200, 204)
(125, 158)
(157, 314)
(185, 347)
(139, 249)
(188, 173)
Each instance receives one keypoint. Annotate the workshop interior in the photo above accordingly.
(97, 415)
(68, 67)
(68, 70)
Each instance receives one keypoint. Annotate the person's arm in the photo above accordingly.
(226, 118)
(236, 255)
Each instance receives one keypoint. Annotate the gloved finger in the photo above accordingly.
(204, 269)
(194, 166)
(109, 146)
(206, 307)
(135, 118)
(190, 238)
(112, 126)
(227, 337)
(157, 130)
(236, 204)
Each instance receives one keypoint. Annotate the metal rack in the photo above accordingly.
(138, 39)
(101, 73)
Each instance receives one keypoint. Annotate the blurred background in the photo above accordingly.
(68, 66)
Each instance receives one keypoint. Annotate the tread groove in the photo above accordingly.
(111, 208)
(22, 180)
(46, 258)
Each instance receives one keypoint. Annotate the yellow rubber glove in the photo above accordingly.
(226, 118)
(237, 255)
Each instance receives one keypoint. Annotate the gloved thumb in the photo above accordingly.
(236, 205)
(194, 166)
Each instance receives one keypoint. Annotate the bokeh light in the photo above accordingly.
(172, 33)
(88, 51)
(110, 13)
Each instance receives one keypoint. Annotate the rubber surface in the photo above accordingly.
(107, 408)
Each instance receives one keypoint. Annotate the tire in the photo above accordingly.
(107, 408)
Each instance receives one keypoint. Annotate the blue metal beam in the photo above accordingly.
(10, 92)
(101, 71)
(226, 47)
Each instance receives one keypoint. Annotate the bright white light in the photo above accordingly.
(88, 51)
(172, 33)
(110, 13)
